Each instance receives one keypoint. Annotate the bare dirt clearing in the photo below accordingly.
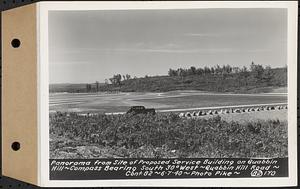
(121, 102)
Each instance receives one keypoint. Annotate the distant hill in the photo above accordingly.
(69, 87)
(214, 79)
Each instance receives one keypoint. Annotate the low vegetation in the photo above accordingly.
(162, 136)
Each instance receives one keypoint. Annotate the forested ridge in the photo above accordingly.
(255, 78)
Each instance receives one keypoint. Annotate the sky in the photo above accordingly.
(89, 46)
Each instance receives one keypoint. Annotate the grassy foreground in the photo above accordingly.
(163, 136)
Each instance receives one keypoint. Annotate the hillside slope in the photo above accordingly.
(263, 80)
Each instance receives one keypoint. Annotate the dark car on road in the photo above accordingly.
(141, 110)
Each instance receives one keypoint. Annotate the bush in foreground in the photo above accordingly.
(165, 135)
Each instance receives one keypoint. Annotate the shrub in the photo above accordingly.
(165, 135)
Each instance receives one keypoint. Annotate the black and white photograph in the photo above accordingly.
(194, 83)
(151, 93)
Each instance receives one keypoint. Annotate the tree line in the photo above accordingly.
(258, 69)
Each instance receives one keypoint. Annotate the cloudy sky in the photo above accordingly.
(89, 46)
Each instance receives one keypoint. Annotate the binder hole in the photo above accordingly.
(15, 43)
(15, 146)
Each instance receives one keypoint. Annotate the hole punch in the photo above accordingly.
(16, 146)
(15, 43)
